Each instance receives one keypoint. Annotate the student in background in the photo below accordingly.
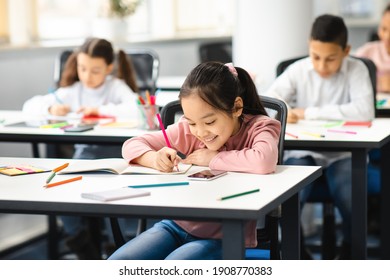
(87, 87)
(327, 85)
(379, 52)
(224, 127)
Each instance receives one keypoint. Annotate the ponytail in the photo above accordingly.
(69, 73)
(249, 95)
(126, 70)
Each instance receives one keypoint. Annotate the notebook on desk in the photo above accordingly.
(117, 166)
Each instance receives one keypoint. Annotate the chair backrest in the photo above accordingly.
(219, 51)
(147, 67)
(276, 109)
(282, 66)
(146, 64)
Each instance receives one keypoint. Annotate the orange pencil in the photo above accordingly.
(59, 168)
(148, 97)
(63, 182)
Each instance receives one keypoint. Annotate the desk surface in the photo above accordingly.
(197, 201)
(361, 137)
(20, 192)
(99, 135)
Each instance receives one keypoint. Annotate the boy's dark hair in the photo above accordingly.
(330, 29)
(387, 9)
(218, 86)
(100, 48)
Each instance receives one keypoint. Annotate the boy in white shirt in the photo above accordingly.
(327, 85)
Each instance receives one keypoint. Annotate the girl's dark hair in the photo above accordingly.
(330, 29)
(219, 87)
(99, 48)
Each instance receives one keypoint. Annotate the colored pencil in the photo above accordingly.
(59, 168)
(165, 134)
(238, 194)
(63, 182)
(159, 185)
(342, 131)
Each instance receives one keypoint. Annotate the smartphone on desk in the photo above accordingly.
(207, 175)
(80, 128)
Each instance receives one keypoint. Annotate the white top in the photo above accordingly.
(347, 95)
(114, 98)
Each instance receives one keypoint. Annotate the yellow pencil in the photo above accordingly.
(318, 135)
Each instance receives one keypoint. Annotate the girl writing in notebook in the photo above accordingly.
(87, 86)
(224, 127)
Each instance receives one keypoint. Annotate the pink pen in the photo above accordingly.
(342, 131)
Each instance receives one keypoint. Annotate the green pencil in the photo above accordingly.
(50, 177)
(238, 194)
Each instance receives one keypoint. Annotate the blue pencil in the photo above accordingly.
(159, 185)
(57, 98)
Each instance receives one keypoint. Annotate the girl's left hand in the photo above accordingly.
(201, 157)
(88, 111)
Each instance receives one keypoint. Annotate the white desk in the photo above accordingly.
(25, 194)
(377, 136)
(35, 135)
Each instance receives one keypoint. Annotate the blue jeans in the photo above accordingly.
(339, 182)
(166, 240)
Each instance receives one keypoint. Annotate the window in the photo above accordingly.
(153, 19)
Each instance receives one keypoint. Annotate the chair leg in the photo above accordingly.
(328, 232)
(116, 232)
(141, 226)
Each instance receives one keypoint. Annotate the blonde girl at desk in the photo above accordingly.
(224, 127)
(88, 87)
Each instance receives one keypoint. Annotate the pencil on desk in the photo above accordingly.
(342, 131)
(318, 135)
(59, 168)
(63, 182)
(55, 170)
(292, 135)
(238, 194)
(169, 184)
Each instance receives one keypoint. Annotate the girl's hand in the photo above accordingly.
(384, 82)
(292, 117)
(164, 160)
(88, 111)
(201, 157)
(59, 109)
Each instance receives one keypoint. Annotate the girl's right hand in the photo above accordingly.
(163, 160)
(59, 109)
(166, 159)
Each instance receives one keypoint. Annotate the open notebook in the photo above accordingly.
(116, 166)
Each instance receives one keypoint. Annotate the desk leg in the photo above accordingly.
(290, 226)
(233, 240)
(359, 204)
(53, 238)
(385, 202)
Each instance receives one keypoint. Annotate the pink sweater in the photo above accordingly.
(376, 51)
(254, 149)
